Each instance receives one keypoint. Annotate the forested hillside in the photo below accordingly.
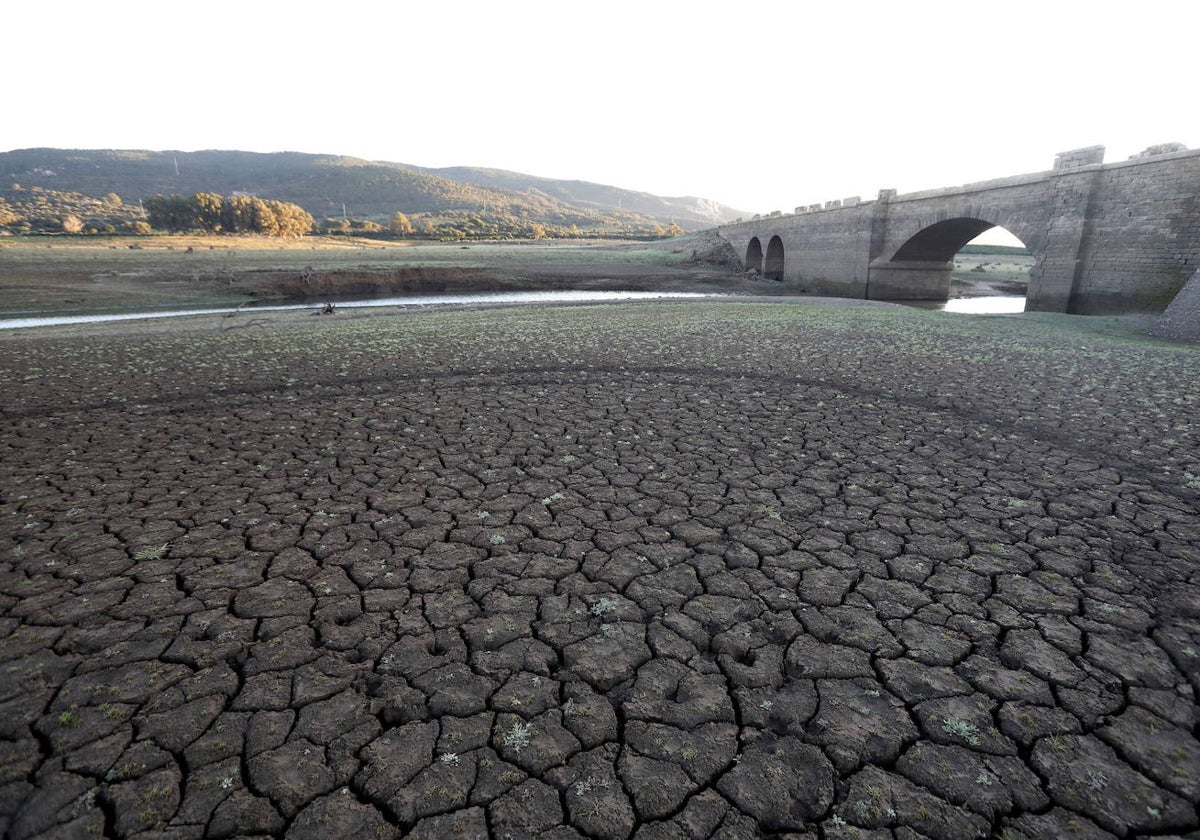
(106, 189)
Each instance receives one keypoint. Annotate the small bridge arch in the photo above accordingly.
(754, 255)
(774, 263)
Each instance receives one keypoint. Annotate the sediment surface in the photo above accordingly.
(660, 571)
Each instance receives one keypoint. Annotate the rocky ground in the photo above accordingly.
(654, 571)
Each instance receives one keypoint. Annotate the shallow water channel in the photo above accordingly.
(981, 306)
(29, 320)
(989, 305)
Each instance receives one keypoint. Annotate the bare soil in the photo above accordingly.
(661, 570)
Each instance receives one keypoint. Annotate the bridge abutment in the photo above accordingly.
(909, 280)
(1058, 270)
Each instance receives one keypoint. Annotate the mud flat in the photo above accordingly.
(659, 570)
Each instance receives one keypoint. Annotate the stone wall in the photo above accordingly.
(827, 254)
(1144, 235)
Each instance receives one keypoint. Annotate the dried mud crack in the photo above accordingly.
(660, 571)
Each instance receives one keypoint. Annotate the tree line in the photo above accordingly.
(449, 226)
(212, 213)
(37, 210)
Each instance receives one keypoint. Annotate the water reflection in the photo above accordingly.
(989, 305)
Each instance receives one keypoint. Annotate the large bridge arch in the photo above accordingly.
(920, 266)
(942, 240)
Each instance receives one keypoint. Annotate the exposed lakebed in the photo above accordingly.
(664, 570)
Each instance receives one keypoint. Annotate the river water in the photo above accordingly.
(997, 305)
(980, 306)
(411, 300)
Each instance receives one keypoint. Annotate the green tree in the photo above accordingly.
(207, 211)
(7, 216)
(400, 225)
(292, 219)
(264, 219)
(171, 213)
(237, 214)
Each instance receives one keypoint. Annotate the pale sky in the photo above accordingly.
(762, 106)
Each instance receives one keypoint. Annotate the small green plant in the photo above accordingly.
(1012, 834)
(517, 737)
(1058, 743)
(70, 718)
(156, 552)
(960, 728)
(604, 606)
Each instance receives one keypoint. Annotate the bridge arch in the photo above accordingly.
(754, 255)
(919, 262)
(773, 266)
(941, 241)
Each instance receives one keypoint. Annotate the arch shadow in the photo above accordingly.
(773, 267)
(754, 255)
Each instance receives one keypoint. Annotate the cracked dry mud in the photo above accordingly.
(664, 571)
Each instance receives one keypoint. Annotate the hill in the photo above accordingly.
(331, 186)
(599, 197)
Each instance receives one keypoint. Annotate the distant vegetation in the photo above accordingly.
(41, 210)
(212, 213)
(71, 191)
(1013, 250)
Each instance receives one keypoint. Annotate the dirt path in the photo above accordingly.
(666, 570)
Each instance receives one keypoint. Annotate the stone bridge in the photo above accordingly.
(1106, 238)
